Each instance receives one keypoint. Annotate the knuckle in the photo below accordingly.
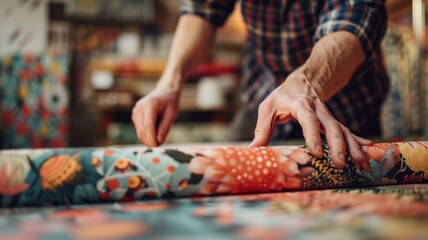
(264, 107)
(297, 104)
(303, 103)
(335, 125)
(134, 116)
(304, 100)
(140, 102)
(152, 103)
(335, 132)
(147, 103)
(346, 130)
(134, 111)
(312, 135)
(258, 131)
(310, 123)
(312, 118)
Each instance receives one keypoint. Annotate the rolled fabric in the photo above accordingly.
(75, 176)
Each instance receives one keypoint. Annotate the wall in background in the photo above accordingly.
(23, 26)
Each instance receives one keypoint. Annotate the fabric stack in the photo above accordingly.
(403, 112)
(34, 100)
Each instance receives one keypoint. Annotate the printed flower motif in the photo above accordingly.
(381, 158)
(59, 170)
(6, 186)
(290, 158)
(238, 170)
(55, 98)
(415, 154)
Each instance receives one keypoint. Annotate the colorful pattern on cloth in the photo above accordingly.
(78, 176)
(387, 212)
(34, 100)
(404, 109)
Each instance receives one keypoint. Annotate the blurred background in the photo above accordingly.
(71, 71)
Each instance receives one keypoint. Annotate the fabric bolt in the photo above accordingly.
(34, 100)
(392, 120)
(281, 35)
(78, 176)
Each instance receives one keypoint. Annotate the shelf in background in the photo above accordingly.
(107, 21)
(396, 6)
(153, 67)
(124, 109)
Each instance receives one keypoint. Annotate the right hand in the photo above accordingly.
(154, 114)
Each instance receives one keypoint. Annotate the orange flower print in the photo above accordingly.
(6, 186)
(289, 159)
(240, 170)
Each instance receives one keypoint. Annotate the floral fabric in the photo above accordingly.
(78, 176)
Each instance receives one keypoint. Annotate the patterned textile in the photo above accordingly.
(64, 176)
(403, 111)
(281, 37)
(388, 212)
(34, 100)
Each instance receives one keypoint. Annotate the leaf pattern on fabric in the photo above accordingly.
(7, 188)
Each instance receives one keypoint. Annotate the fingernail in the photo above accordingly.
(318, 148)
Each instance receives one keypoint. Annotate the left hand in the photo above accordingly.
(296, 98)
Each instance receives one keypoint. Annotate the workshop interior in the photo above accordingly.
(73, 167)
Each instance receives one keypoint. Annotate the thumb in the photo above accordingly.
(264, 129)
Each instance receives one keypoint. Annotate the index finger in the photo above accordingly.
(310, 124)
(137, 121)
(265, 125)
(149, 127)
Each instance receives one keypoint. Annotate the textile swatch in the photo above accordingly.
(34, 100)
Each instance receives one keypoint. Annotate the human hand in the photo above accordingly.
(296, 98)
(154, 114)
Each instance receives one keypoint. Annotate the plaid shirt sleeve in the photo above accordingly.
(215, 11)
(364, 18)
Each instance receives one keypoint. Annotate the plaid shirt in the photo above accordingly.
(281, 34)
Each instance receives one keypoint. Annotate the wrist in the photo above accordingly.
(332, 62)
(171, 80)
(312, 81)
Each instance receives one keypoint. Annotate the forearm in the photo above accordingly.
(192, 42)
(333, 60)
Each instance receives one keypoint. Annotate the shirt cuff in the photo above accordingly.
(367, 24)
